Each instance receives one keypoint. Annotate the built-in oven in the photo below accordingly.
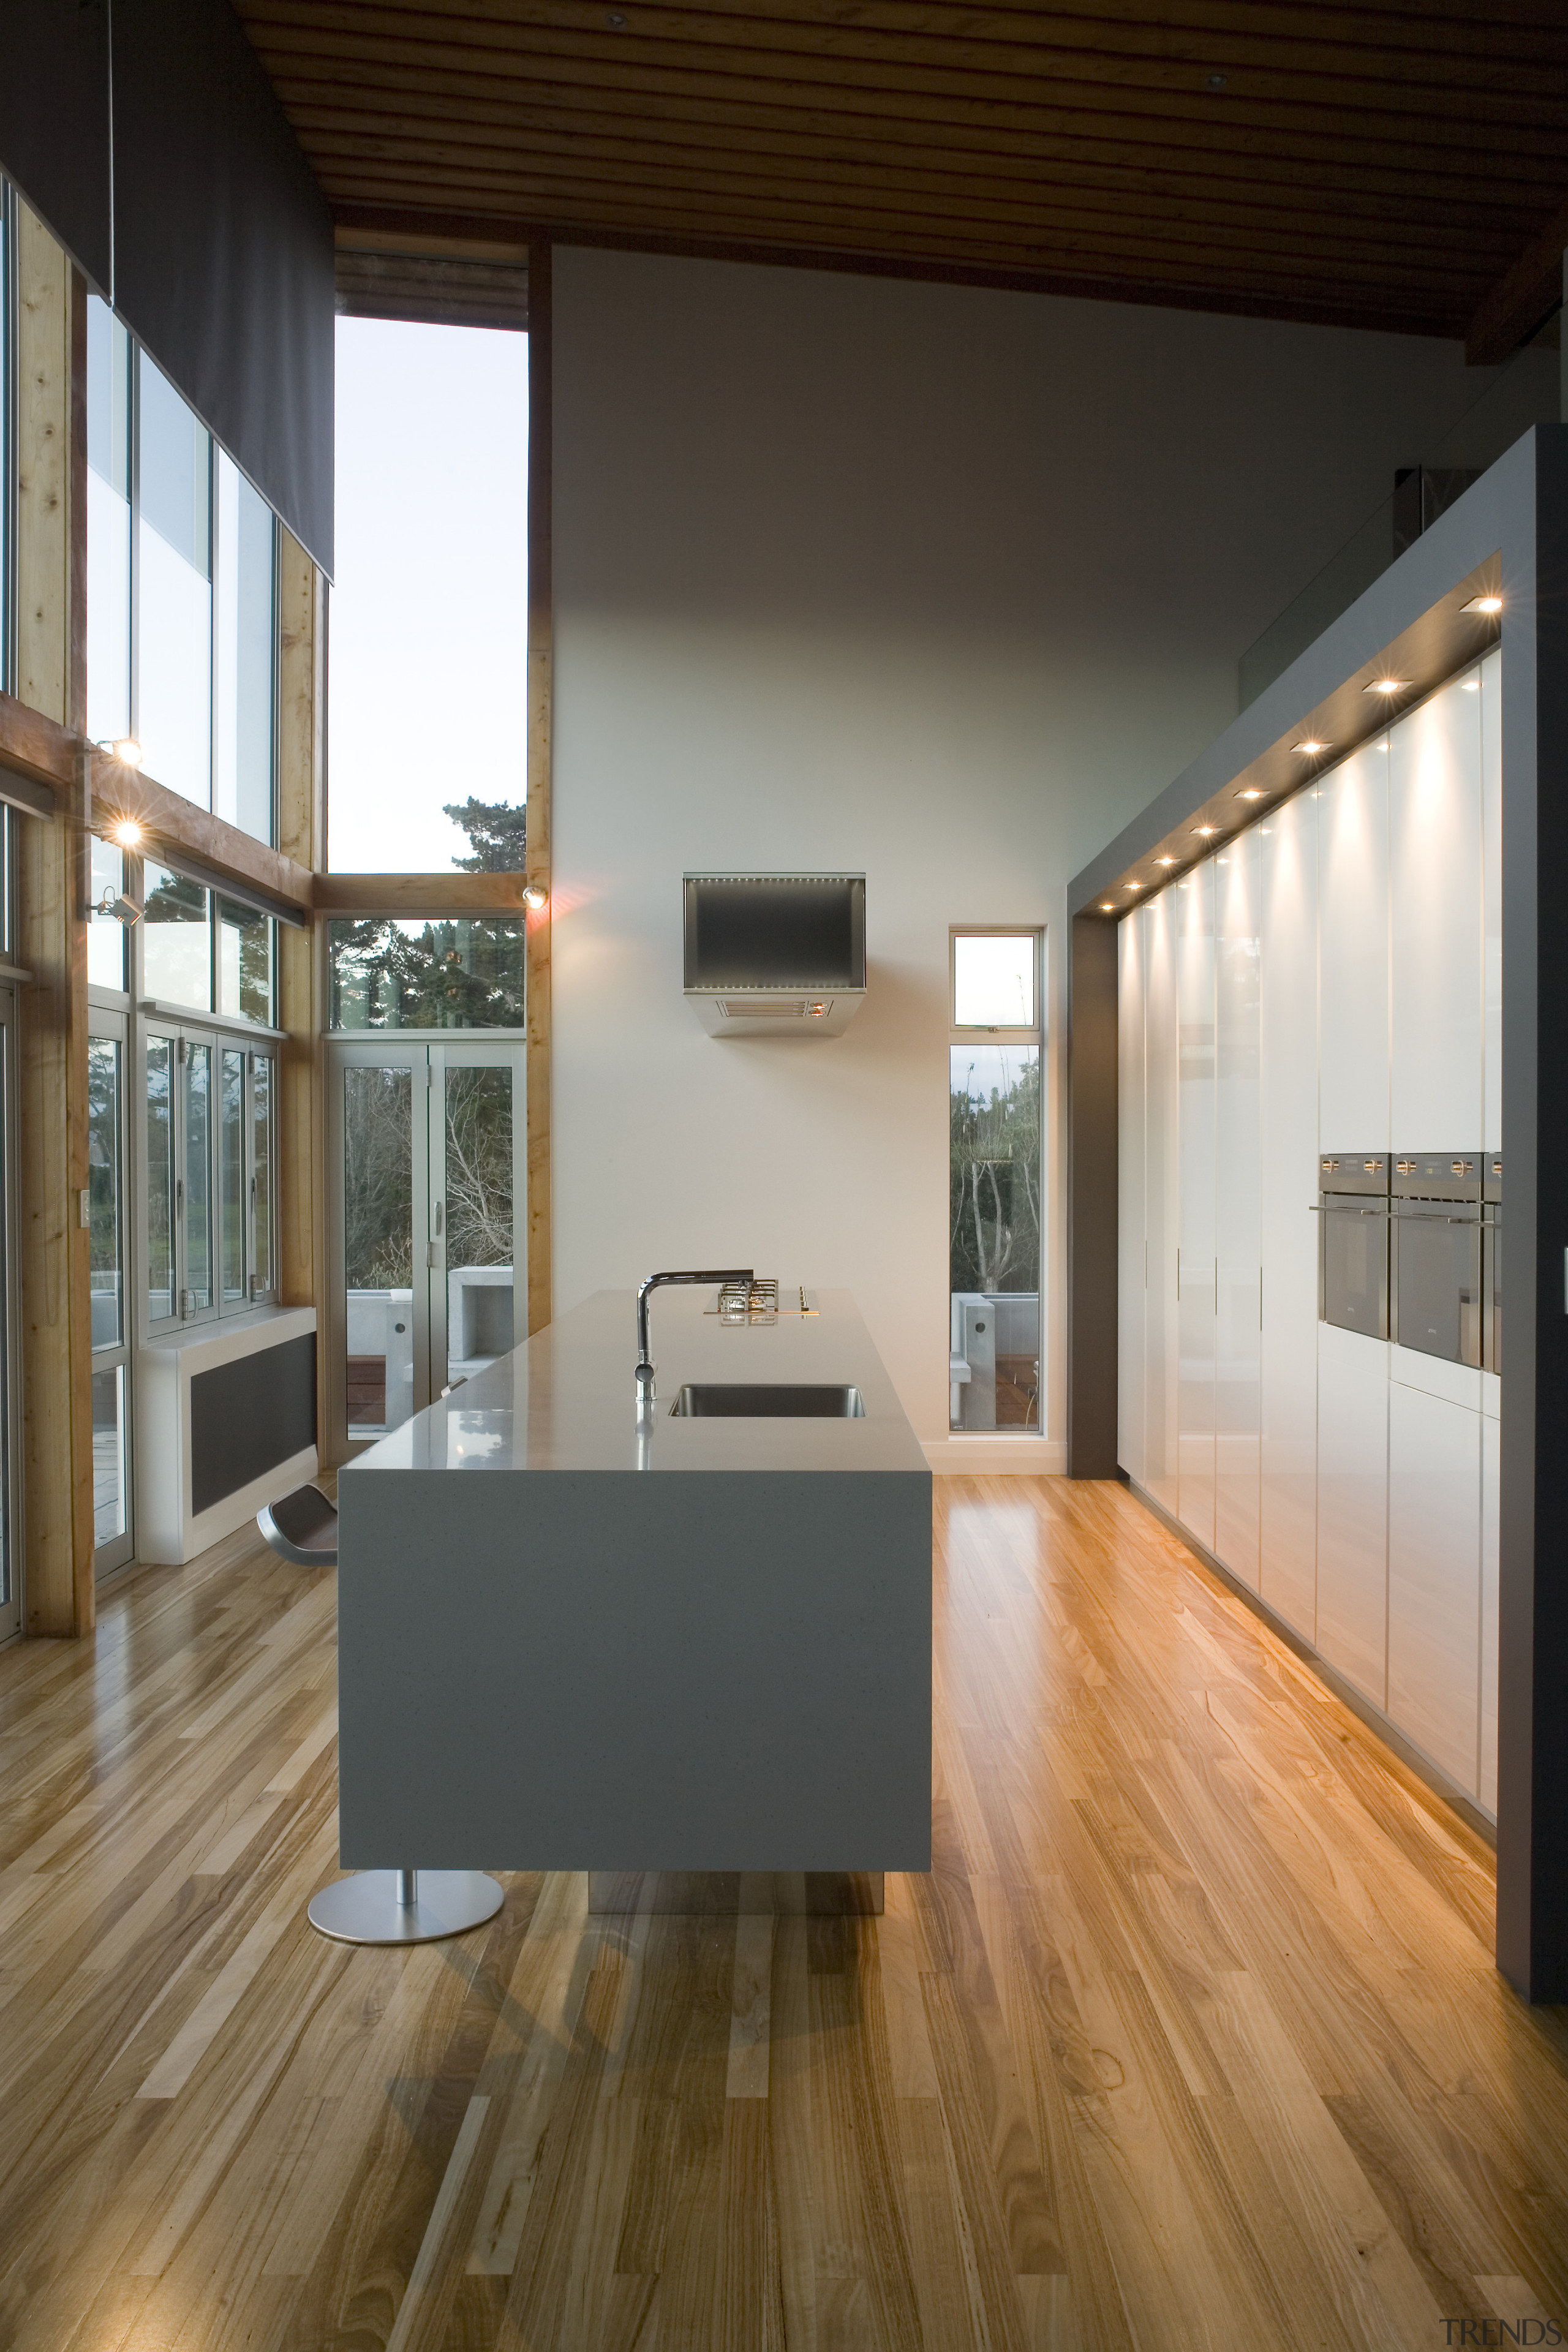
(1352, 1241)
(1436, 1279)
(1491, 1263)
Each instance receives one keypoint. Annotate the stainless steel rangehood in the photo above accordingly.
(775, 955)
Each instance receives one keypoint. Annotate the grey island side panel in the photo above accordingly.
(710, 1668)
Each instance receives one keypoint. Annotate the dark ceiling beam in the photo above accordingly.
(1523, 296)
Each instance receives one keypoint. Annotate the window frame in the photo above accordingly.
(1002, 1034)
(183, 1033)
(138, 355)
(109, 1022)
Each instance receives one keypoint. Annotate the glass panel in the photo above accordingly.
(105, 1206)
(198, 1175)
(105, 936)
(261, 1147)
(109, 1454)
(467, 974)
(108, 523)
(414, 699)
(994, 1229)
(174, 593)
(478, 1219)
(246, 954)
(231, 1157)
(378, 1230)
(994, 982)
(176, 940)
(160, 1178)
(243, 662)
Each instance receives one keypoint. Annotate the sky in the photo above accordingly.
(428, 631)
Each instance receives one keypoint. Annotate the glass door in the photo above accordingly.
(106, 1224)
(428, 1161)
(10, 1545)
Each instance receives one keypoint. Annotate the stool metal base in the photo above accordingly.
(405, 1906)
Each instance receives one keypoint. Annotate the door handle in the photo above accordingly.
(441, 1217)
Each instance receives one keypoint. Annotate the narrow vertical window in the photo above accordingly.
(160, 1113)
(108, 524)
(244, 654)
(261, 1187)
(234, 1205)
(995, 1132)
(173, 591)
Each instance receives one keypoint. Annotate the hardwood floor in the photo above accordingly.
(1190, 2037)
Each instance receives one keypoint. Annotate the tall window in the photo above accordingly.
(182, 589)
(428, 627)
(996, 1131)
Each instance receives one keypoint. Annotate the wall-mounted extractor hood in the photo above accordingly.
(775, 955)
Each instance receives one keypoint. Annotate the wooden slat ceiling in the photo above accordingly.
(1403, 166)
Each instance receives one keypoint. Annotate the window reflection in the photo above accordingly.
(176, 947)
(105, 1208)
(160, 1178)
(106, 938)
(244, 654)
(245, 962)
(465, 974)
(108, 1454)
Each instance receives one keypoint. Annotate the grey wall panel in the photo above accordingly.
(249, 1416)
(54, 120)
(223, 261)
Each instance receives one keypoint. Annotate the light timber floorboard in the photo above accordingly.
(1190, 2037)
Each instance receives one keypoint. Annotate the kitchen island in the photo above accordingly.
(579, 1635)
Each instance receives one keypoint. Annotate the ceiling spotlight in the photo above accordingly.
(125, 748)
(1133, 885)
(535, 896)
(125, 833)
(1310, 745)
(1487, 604)
(1165, 861)
(1252, 792)
(1206, 829)
(1106, 907)
(1386, 685)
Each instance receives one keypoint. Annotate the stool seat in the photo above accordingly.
(301, 1527)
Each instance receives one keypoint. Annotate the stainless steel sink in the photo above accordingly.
(767, 1401)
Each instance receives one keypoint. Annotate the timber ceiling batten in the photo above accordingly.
(1386, 166)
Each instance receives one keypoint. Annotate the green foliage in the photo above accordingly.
(497, 830)
(993, 1169)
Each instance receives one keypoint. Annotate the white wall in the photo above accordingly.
(937, 582)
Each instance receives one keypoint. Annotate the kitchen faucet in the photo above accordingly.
(656, 1282)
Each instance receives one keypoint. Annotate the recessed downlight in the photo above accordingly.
(1487, 603)
(1106, 907)
(1310, 744)
(1385, 685)
(1165, 861)
(1252, 792)
(1206, 829)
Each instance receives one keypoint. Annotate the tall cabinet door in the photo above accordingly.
(1237, 1262)
(1489, 694)
(1162, 1198)
(1353, 1116)
(1132, 1248)
(1287, 1153)
(1195, 1272)
(1438, 908)
(1435, 1577)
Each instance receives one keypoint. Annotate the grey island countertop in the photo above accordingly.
(566, 1400)
(551, 1660)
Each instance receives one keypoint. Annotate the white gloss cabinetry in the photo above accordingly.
(1288, 1132)
(1436, 897)
(1330, 982)
(1489, 695)
(1352, 1507)
(1352, 953)
(1237, 1261)
(1195, 1272)
(1161, 1195)
(1131, 1241)
(1435, 1577)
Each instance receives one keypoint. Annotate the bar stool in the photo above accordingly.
(374, 1906)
